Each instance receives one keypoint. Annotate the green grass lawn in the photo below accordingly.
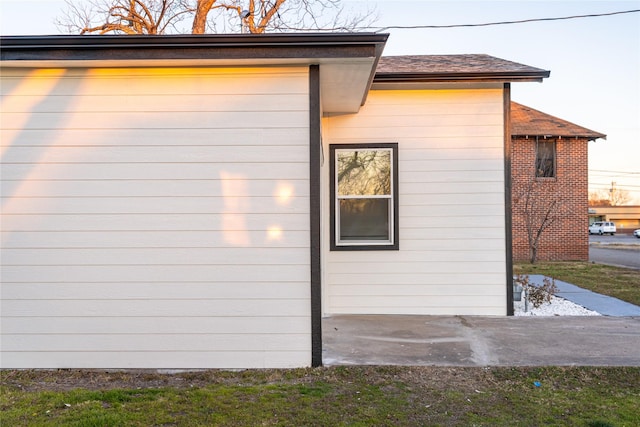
(622, 283)
(340, 396)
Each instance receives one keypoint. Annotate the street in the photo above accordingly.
(621, 250)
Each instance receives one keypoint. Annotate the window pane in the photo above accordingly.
(364, 172)
(545, 159)
(364, 219)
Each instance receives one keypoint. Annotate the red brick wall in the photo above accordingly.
(567, 238)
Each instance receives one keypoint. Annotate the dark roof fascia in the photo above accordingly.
(456, 77)
(241, 46)
(589, 137)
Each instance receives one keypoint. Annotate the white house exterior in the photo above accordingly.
(451, 256)
(167, 201)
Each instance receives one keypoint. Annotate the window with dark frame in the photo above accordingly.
(545, 159)
(364, 196)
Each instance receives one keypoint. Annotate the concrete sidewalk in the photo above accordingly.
(481, 341)
(603, 304)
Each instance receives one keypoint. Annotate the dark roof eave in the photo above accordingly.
(454, 77)
(589, 137)
(182, 40)
(235, 46)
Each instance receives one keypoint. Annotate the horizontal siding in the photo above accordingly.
(155, 308)
(411, 302)
(177, 102)
(124, 83)
(432, 188)
(418, 267)
(166, 154)
(156, 273)
(151, 325)
(451, 183)
(388, 133)
(100, 236)
(155, 218)
(150, 290)
(20, 137)
(427, 177)
(419, 256)
(427, 281)
(171, 120)
(146, 188)
(135, 359)
(149, 342)
(27, 172)
(155, 205)
(150, 256)
(452, 243)
(402, 290)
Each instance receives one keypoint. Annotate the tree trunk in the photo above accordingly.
(200, 19)
(533, 254)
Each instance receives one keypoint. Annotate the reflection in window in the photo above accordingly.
(545, 159)
(363, 196)
(364, 172)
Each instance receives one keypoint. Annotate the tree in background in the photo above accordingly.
(207, 16)
(543, 205)
(618, 197)
(598, 199)
(613, 197)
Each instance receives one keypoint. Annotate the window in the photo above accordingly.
(364, 196)
(545, 159)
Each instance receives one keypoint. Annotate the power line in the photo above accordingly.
(602, 171)
(487, 24)
(630, 189)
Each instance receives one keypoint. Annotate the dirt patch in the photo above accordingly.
(71, 379)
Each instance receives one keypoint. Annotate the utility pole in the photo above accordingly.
(612, 193)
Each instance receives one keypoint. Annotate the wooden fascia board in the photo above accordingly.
(189, 47)
(535, 76)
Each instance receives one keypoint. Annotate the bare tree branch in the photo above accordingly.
(162, 16)
(200, 19)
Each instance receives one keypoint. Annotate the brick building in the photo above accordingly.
(549, 172)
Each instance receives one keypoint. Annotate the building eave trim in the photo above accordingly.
(536, 76)
(243, 46)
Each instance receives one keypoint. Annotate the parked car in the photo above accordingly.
(602, 227)
(637, 233)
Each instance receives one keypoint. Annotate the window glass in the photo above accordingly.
(364, 219)
(546, 159)
(366, 172)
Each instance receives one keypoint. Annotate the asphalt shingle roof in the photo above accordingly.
(526, 121)
(455, 66)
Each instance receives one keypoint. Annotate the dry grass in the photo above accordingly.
(622, 283)
(354, 396)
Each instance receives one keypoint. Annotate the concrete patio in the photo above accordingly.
(481, 341)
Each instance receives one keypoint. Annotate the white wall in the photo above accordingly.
(155, 218)
(451, 183)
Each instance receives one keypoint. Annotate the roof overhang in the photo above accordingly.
(347, 60)
(488, 77)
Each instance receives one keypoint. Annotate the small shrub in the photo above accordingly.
(538, 295)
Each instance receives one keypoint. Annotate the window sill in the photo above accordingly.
(392, 247)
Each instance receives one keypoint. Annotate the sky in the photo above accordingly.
(594, 62)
